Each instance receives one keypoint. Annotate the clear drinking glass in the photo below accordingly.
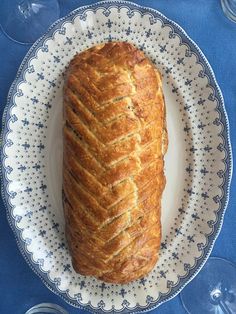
(46, 308)
(229, 8)
(213, 291)
(26, 20)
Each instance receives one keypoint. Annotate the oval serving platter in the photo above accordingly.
(198, 162)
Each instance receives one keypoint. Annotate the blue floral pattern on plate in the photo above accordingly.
(198, 162)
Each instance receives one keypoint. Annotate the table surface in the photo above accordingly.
(206, 24)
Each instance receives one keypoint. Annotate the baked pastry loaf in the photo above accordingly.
(114, 142)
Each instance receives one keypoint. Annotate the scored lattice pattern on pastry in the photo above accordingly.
(114, 142)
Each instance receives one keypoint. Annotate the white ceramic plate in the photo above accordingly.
(198, 162)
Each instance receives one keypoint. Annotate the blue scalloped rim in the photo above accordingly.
(184, 38)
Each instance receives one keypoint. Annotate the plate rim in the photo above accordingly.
(224, 134)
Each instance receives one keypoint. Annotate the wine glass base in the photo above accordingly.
(213, 290)
(229, 9)
(46, 308)
(27, 20)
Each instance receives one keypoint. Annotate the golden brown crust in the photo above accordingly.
(114, 141)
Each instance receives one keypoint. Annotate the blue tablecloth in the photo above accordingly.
(206, 24)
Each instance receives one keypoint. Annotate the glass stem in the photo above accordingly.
(25, 8)
(224, 308)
